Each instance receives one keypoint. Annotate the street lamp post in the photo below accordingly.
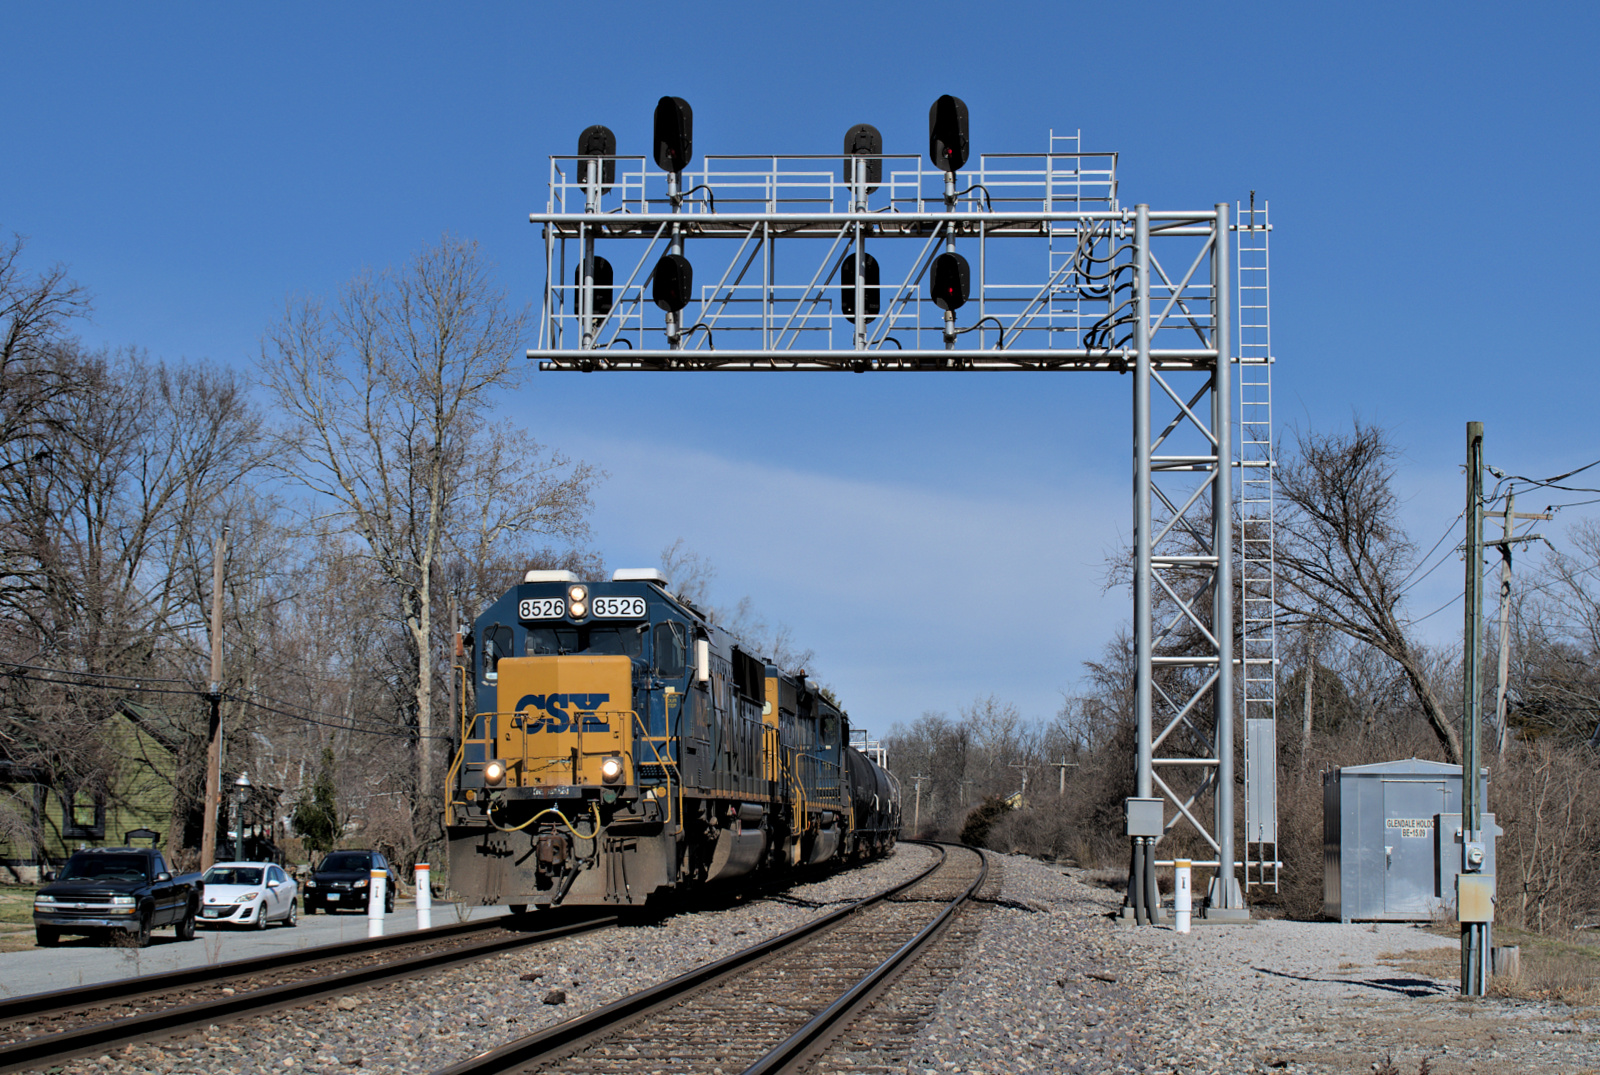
(241, 794)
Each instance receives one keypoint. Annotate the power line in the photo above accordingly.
(1553, 483)
(389, 733)
(347, 724)
(1448, 530)
(97, 675)
(1435, 612)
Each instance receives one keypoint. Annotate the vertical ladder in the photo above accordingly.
(1257, 564)
(1063, 193)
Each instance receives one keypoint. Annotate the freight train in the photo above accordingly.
(622, 749)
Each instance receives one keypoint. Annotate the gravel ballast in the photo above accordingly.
(1042, 980)
(444, 1017)
(1053, 984)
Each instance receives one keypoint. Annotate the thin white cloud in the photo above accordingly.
(913, 598)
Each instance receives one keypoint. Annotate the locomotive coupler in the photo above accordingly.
(551, 853)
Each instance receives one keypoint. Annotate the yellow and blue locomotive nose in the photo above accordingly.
(570, 720)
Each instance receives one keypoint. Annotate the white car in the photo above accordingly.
(248, 894)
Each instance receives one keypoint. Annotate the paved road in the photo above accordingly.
(82, 962)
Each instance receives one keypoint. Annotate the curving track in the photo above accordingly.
(766, 1009)
(45, 1028)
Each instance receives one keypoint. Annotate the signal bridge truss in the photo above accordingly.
(1059, 275)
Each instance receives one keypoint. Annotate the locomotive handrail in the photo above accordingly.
(656, 744)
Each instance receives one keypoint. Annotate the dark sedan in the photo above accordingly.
(341, 881)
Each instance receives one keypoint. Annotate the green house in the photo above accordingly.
(130, 801)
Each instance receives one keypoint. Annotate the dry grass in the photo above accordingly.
(1567, 971)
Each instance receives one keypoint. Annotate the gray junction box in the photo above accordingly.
(1382, 858)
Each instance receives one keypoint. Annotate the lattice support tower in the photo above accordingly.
(1063, 278)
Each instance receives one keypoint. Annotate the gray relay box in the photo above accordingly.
(1144, 816)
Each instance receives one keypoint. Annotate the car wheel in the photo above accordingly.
(290, 919)
(186, 925)
(388, 902)
(47, 936)
(261, 916)
(141, 936)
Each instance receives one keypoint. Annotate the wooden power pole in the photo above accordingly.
(213, 795)
(1505, 545)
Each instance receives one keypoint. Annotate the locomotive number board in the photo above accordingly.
(607, 608)
(620, 608)
(541, 608)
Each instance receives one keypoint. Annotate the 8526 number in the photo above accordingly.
(541, 608)
(620, 608)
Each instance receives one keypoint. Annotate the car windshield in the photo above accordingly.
(233, 875)
(106, 868)
(346, 862)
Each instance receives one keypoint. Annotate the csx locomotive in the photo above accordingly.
(624, 748)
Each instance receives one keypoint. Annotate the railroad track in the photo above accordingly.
(767, 1009)
(44, 1028)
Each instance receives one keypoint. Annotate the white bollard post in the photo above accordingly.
(376, 893)
(1182, 902)
(424, 898)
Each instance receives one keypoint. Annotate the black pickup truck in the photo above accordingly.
(116, 890)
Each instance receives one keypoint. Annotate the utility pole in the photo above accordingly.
(1064, 765)
(1305, 712)
(1505, 545)
(455, 656)
(916, 817)
(213, 793)
(1022, 796)
(1474, 888)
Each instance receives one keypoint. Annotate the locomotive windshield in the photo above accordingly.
(597, 639)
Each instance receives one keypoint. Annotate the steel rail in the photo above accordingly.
(805, 1044)
(124, 989)
(579, 1031)
(47, 1049)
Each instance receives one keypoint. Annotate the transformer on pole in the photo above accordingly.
(1007, 262)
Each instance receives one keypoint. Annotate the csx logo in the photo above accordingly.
(563, 712)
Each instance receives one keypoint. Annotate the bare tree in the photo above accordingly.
(36, 312)
(385, 396)
(1557, 642)
(1344, 558)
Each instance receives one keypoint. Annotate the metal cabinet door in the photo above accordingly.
(1408, 809)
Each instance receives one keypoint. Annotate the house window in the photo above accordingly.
(84, 815)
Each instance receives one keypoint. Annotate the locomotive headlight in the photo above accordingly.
(611, 770)
(577, 594)
(578, 609)
(494, 774)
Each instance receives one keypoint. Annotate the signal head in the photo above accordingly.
(847, 286)
(949, 281)
(672, 283)
(603, 277)
(947, 133)
(598, 141)
(863, 140)
(674, 135)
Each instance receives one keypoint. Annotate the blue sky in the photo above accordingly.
(932, 538)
